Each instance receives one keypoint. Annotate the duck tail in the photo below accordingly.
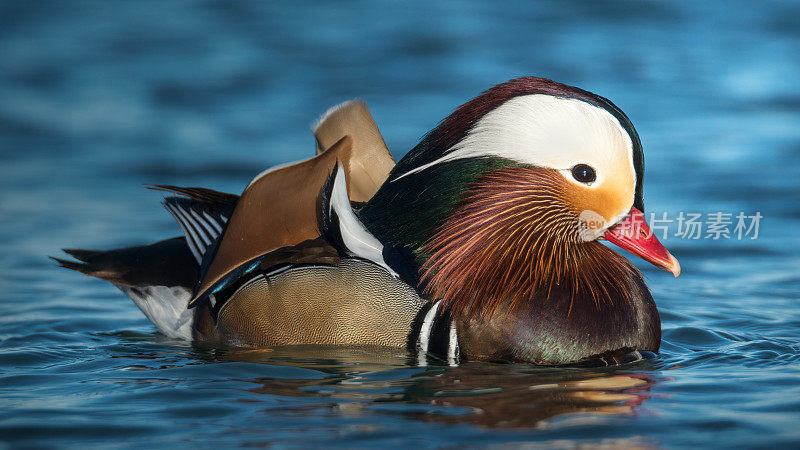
(157, 277)
(160, 277)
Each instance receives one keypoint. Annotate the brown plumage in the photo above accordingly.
(279, 208)
(516, 238)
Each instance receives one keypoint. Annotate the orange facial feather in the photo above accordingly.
(515, 238)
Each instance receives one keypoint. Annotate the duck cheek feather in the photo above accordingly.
(522, 286)
(564, 330)
(513, 240)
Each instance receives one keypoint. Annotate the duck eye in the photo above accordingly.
(584, 173)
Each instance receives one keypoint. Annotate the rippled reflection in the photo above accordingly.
(357, 381)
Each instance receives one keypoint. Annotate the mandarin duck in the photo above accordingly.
(481, 243)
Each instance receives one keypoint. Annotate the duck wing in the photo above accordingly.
(370, 160)
(279, 208)
(201, 213)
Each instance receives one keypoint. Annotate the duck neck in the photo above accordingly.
(408, 209)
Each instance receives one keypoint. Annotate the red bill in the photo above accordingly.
(634, 235)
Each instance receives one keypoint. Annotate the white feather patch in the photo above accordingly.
(452, 346)
(550, 132)
(358, 240)
(423, 342)
(165, 307)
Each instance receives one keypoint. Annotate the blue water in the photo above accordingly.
(97, 98)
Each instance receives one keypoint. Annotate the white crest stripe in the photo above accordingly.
(551, 132)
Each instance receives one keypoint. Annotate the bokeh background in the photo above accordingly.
(98, 98)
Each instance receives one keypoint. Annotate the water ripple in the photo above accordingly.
(101, 97)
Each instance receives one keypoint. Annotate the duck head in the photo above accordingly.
(504, 203)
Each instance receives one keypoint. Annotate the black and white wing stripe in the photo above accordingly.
(201, 224)
(343, 226)
(435, 334)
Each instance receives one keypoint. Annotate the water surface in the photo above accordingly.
(101, 97)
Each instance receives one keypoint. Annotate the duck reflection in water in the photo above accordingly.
(484, 394)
